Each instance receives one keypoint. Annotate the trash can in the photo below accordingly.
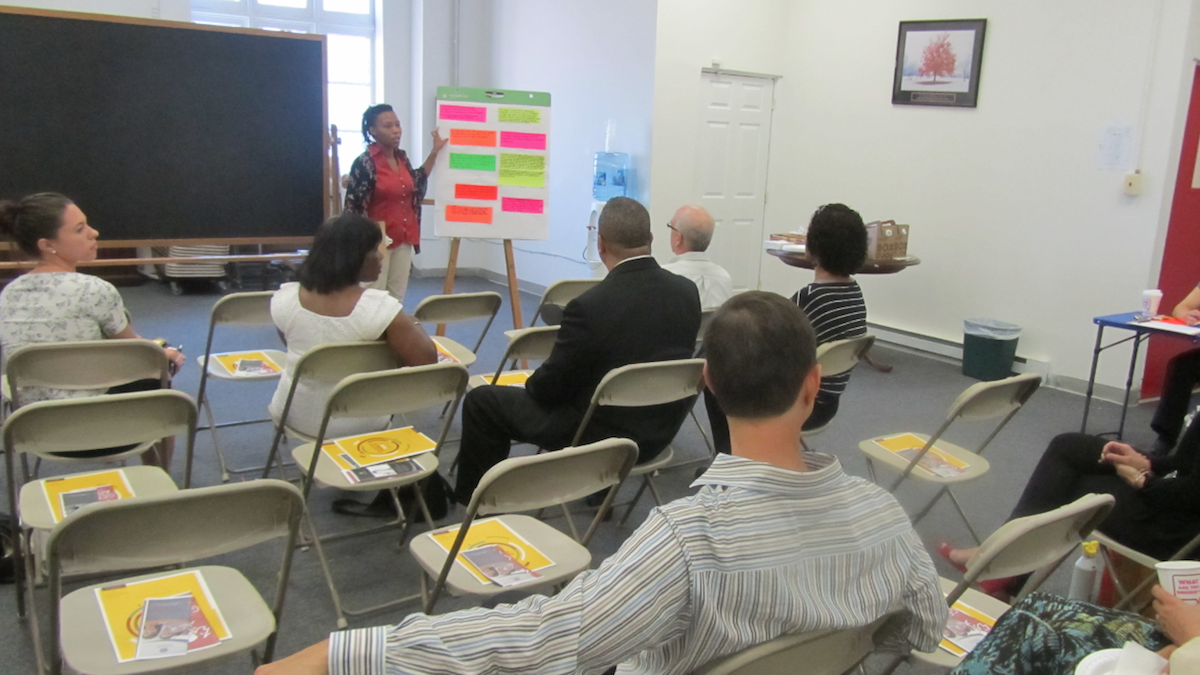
(989, 347)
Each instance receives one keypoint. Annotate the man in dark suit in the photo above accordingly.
(638, 313)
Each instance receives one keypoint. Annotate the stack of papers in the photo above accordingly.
(68, 494)
(936, 462)
(378, 455)
(966, 627)
(493, 553)
(248, 364)
(163, 617)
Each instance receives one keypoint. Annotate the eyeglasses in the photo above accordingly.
(672, 226)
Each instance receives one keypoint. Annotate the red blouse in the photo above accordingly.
(392, 199)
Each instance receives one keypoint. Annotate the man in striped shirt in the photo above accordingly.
(775, 542)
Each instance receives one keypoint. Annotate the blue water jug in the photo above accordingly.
(608, 179)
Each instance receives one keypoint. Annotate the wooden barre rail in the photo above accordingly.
(198, 259)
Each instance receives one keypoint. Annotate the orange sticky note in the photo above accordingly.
(479, 137)
(468, 214)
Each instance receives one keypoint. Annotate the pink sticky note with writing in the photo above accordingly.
(518, 139)
(514, 205)
(462, 113)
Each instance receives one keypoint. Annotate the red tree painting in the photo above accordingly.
(939, 58)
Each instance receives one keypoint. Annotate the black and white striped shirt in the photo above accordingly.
(759, 552)
(837, 312)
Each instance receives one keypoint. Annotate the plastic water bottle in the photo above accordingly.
(1086, 574)
(608, 178)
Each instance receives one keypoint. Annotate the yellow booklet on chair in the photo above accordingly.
(355, 452)
(68, 494)
(492, 532)
(965, 628)
(167, 616)
(248, 364)
(936, 462)
(516, 379)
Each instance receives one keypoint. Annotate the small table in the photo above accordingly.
(1141, 331)
(801, 260)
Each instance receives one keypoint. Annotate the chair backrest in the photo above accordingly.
(340, 360)
(560, 293)
(174, 528)
(986, 400)
(822, 652)
(442, 309)
(534, 344)
(841, 356)
(91, 364)
(397, 391)
(538, 481)
(1035, 543)
(706, 316)
(646, 384)
(244, 309)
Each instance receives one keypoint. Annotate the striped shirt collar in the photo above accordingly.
(740, 472)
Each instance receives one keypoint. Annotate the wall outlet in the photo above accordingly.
(1133, 184)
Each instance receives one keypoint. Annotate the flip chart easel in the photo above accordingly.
(514, 294)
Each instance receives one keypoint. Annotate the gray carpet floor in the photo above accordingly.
(914, 397)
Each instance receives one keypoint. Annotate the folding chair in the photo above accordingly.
(369, 395)
(444, 309)
(47, 428)
(524, 344)
(1037, 544)
(981, 401)
(170, 530)
(823, 652)
(837, 357)
(557, 296)
(645, 384)
(1128, 597)
(525, 484)
(235, 309)
(90, 364)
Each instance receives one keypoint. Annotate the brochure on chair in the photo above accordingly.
(378, 447)
(515, 379)
(248, 364)
(966, 627)
(490, 532)
(396, 468)
(499, 566)
(68, 494)
(936, 462)
(163, 617)
(444, 355)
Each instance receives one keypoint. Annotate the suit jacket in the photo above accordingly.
(638, 313)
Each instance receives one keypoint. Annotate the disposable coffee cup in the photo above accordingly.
(1150, 301)
(1180, 578)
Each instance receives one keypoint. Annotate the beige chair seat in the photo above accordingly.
(144, 481)
(217, 369)
(465, 356)
(484, 380)
(569, 557)
(330, 474)
(87, 649)
(976, 465)
(973, 598)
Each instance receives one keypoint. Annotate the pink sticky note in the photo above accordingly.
(462, 113)
(514, 205)
(517, 139)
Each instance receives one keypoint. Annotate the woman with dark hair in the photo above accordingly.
(329, 305)
(54, 303)
(384, 187)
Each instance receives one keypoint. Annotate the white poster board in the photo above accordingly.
(491, 180)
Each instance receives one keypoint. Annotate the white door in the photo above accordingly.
(734, 140)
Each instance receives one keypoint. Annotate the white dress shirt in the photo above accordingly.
(711, 279)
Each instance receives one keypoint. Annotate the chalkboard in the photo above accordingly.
(164, 130)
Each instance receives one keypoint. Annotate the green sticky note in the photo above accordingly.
(472, 162)
(521, 115)
(522, 170)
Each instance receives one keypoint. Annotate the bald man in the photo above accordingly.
(691, 233)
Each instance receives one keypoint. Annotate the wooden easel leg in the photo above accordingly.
(514, 295)
(451, 269)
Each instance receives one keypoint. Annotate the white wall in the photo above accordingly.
(1009, 213)
(596, 60)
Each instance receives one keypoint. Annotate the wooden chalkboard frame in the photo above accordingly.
(329, 181)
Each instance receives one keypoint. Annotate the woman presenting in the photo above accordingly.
(384, 187)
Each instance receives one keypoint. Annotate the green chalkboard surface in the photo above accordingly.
(164, 130)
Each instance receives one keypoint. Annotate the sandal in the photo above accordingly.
(944, 549)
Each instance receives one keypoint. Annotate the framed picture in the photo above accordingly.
(937, 62)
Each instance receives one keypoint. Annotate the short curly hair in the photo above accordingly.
(837, 239)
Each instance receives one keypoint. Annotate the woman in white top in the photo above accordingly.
(53, 302)
(327, 306)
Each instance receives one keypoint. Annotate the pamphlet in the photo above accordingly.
(165, 616)
(68, 494)
(378, 447)
(513, 379)
(444, 355)
(496, 564)
(966, 627)
(492, 532)
(936, 462)
(248, 364)
(392, 469)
